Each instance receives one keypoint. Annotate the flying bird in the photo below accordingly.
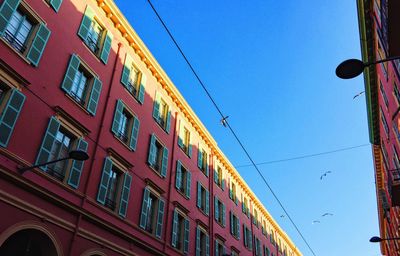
(223, 121)
(323, 175)
(316, 221)
(355, 96)
(282, 216)
(327, 214)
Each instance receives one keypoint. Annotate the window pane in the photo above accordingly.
(60, 149)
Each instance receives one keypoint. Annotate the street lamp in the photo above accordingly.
(353, 67)
(376, 239)
(78, 155)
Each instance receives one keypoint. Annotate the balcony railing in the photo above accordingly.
(14, 42)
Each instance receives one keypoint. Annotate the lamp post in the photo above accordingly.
(78, 155)
(377, 239)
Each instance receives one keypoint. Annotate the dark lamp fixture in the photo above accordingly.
(353, 67)
(376, 239)
(77, 155)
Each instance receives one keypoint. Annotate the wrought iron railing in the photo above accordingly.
(122, 136)
(132, 88)
(14, 42)
(110, 204)
(77, 98)
(93, 45)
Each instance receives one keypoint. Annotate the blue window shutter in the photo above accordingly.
(243, 205)
(86, 23)
(168, 126)
(135, 133)
(9, 116)
(47, 143)
(119, 108)
(126, 71)
(207, 245)
(69, 77)
(198, 195)
(236, 200)
(190, 150)
(142, 89)
(38, 44)
(215, 175)
(207, 202)
(105, 51)
(105, 178)
(6, 11)
(223, 215)
(216, 212)
(77, 166)
(152, 151)
(178, 174)
(250, 240)
(231, 222)
(174, 228)
(188, 183)
(216, 248)
(164, 162)
(156, 108)
(223, 184)
(200, 158)
(186, 238)
(198, 241)
(238, 228)
(207, 168)
(94, 96)
(245, 236)
(145, 205)
(126, 188)
(160, 217)
(56, 4)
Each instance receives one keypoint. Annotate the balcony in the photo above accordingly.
(394, 186)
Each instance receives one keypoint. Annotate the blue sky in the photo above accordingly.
(270, 67)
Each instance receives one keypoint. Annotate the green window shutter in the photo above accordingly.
(250, 240)
(223, 215)
(215, 175)
(145, 206)
(198, 195)
(69, 77)
(160, 217)
(198, 248)
(126, 188)
(77, 166)
(236, 200)
(105, 51)
(180, 142)
(207, 202)
(216, 210)
(188, 182)
(164, 162)
(119, 108)
(207, 245)
(223, 184)
(94, 96)
(9, 116)
(231, 222)
(56, 4)
(186, 237)
(238, 228)
(86, 22)
(156, 108)
(142, 89)
(135, 133)
(126, 71)
(174, 228)
(200, 158)
(243, 205)
(6, 11)
(178, 175)
(245, 241)
(105, 178)
(38, 44)
(190, 150)
(207, 168)
(152, 151)
(47, 143)
(168, 126)
(216, 248)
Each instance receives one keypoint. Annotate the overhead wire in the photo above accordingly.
(230, 127)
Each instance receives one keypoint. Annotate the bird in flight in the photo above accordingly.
(282, 216)
(359, 94)
(323, 175)
(316, 221)
(223, 121)
(327, 214)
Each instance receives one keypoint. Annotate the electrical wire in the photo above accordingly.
(230, 127)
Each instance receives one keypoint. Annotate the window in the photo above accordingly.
(264, 227)
(384, 122)
(383, 93)
(82, 85)
(203, 198)
(219, 211)
(396, 93)
(95, 36)
(183, 179)
(125, 125)
(202, 242)
(151, 217)
(235, 225)
(133, 80)
(219, 248)
(56, 144)
(255, 218)
(11, 102)
(202, 161)
(266, 251)
(233, 193)
(180, 232)
(162, 113)
(55, 4)
(245, 206)
(158, 156)
(21, 28)
(114, 188)
(218, 177)
(184, 140)
(257, 248)
(247, 238)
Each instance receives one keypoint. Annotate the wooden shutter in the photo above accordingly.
(245, 240)
(200, 158)
(198, 195)
(168, 125)
(9, 116)
(188, 183)
(105, 178)
(56, 4)
(160, 217)
(156, 108)
(207, 245)
(216, 248)
(186, 237)
(238, 228)
(145, 205)
(119, 108)
(207, 167)
(142, 89)
(126, 188)
(94, 96)
(231, 222)
(69, 77)
(164, 164)
(134, 133)
(174, 228)
(6, 11)
(38, 44)
(198, 245)
(215, 174)
(105, 51)
(243, 205)
(83, 31)
(216, 210)
(152, 150)
(77, 166)
(47, 143)
(126, 71)
(223, 215)
(207, 202)
(178, 174)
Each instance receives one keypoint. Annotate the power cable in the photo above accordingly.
(229, 126)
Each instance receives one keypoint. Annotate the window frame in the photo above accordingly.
(219, 211)
(162, 118)
(184, 139)
(158, 156)
(183, 225)
(183, 177)
(203, 201)
(157, 221)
